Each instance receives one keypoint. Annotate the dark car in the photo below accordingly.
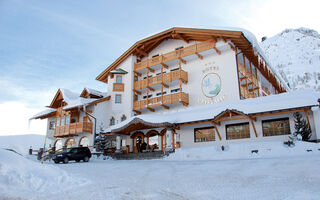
(75, 153)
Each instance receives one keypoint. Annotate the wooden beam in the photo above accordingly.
(139, 74)
(216, 123)
(138, 92)
(138, 112)
(215, 127)
(165, 66)
(150, 88)
(165, 85)
(183, 61)
(307, 117)
(151, 109)
(165, 106)
(279, 112)
(180, 36)
(140, 51)
(231, 46)
(150, 69)
(254, 128)
(217, 50)
(199, 56)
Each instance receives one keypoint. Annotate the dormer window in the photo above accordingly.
(118, 79)
(112, 121)
(123, 118)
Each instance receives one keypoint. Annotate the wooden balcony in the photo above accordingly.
(246, 93)
(167, 77)
(118, 87)
(248, 75)
(72, 129)
(165, 100)
(187, 51)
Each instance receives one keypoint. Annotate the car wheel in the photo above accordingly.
(56, 161)
(65, 160)
(86, 159)
(77, 160)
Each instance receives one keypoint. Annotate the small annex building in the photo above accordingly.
(184, 87)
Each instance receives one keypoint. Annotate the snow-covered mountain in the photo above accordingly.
(295, 53)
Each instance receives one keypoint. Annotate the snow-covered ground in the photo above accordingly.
(22, 143)
(276, 172)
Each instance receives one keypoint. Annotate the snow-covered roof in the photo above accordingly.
(96, 92)
(43, 113)
(289, 100)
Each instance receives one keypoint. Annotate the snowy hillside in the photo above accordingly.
(22, 143)
(295, 53)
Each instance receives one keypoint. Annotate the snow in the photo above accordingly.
(289, 100)
(96, 92)
(275, 172)
(295, 54)
(22, 143)
(25, 178)
(43, 113)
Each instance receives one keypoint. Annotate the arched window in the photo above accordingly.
(58, 145)
(123, 118)
(84, 141)
(112, 121)
(70, 143)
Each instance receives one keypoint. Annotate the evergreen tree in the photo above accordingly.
(302, 127)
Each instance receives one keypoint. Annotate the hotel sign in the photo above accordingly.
(211, 84)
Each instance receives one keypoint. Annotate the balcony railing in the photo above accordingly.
(187, 51)
(118, 87)
(72, 129)
(179, 97)
(245, 93)
(167, 77)
(248, 74)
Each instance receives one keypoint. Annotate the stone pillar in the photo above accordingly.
(169, 140)
(118, 147)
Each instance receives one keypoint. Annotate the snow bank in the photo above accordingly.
(268, 149)
(22, 143)
(20, 177)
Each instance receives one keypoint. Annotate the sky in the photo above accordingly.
(47, 45)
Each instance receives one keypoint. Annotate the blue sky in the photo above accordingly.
(46, 45)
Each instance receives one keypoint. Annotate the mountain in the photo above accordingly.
(295, 53)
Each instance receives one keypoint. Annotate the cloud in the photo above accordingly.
(15, 120)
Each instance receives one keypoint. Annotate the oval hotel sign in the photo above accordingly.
(211, 85)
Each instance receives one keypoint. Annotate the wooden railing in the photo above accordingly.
(179, 97)
(248, 74)
(265, 90)
(73, 128)
(245, 93)
(118, 87)
(187, 51)
(167, 77)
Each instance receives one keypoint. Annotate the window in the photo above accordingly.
(119, 79)
(136, 78)
(155, 56)
(112, 121)
(204, 134)
(149, 96)
(175, 69)
(62, 121)
(51, 125)
(238, 131)
(58, 122)
(135, 97)
(67, 119)
(175, 90)
(123, 118)
(118, 98)
(158, 94)
(276, 127)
